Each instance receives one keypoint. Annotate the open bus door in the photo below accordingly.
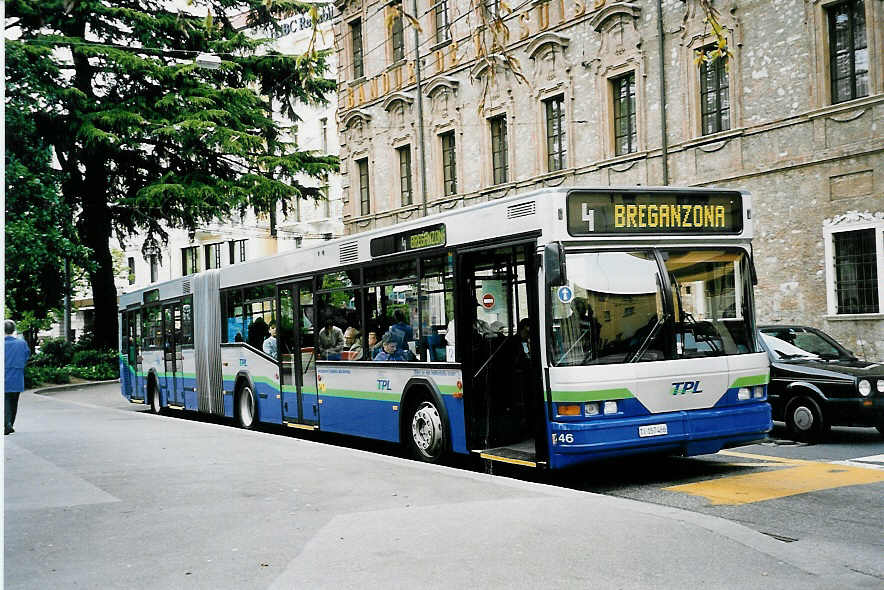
(172, 357)
(297, 356)
(503, 396)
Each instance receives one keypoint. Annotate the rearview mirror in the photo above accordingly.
(554, 264)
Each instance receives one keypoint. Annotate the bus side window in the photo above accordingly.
(437, 310)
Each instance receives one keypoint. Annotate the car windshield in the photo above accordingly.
(801, 343)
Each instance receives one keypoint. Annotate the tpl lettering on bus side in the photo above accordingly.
(384, 385)
(683, 387)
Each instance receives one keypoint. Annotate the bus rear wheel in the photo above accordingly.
(426, 433)
(246, 408)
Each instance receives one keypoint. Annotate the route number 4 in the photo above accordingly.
(562, 438)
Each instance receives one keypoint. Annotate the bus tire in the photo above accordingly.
(246, 407)
(425, 432)
(804, 419)
(153, 392)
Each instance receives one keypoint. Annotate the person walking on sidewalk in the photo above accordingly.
(17, 354)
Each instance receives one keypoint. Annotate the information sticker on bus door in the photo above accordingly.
(565, 294)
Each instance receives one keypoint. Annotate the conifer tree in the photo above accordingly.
(147, 139)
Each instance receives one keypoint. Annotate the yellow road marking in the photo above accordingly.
(798, 477)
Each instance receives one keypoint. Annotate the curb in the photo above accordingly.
(54, 388)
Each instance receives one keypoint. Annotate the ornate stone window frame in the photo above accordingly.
(818, 31)
(620, 52)
(357, 149)
(852, 221)
(695, 36)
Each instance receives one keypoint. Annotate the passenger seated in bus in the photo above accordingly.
(391, 352)
(400, 331)
(330, 341)
(238, 337)
(374, 347)
(352, 344)
(269, 346)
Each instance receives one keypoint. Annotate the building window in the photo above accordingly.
(555, 133)
(237, 251)
(189, 261)
(441, 21)
(848, 51)
(131, 262)
(449, 161)
(356, 40)
(364, 195)
(856, 276)
(154, 268)
(326, 203)
(499, 149)
(625, 138)
(323, 124)
(396, 34)
(213, 256)
(714, 96)
(405, 174)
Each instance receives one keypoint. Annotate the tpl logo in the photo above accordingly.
(384, 385)
(683, 387)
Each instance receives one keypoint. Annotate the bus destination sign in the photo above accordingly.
(654, 213)
(415, 239)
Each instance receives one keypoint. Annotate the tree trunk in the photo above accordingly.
(95, 232)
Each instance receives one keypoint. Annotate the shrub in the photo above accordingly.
(91, 357)
(35, 376)
(54, 352)
(102, 372)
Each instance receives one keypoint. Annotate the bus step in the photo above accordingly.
(511, 454)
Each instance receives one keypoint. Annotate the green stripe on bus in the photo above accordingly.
(369, 395)
(449, 389)
(751, 380)
(592, 396)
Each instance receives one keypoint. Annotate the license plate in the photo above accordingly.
(652, 430)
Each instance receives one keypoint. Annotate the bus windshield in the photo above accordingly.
(614, 309)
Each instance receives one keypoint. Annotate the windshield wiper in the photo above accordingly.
(647, 341)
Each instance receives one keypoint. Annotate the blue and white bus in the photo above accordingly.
(544, 330)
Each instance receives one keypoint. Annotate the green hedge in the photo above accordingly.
(60, 363)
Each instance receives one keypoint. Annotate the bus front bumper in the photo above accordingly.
(695, 432)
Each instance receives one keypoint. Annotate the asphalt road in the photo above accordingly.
(106, 495)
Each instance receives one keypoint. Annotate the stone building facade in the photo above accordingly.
(795, 117)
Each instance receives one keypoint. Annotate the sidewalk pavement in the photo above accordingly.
(99, 497)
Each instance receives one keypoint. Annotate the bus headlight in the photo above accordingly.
(743, 393)
(610, 407)
(880, 386)
(591, 409)
(865, 388)
(759, 391)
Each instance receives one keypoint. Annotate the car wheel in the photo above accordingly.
(246, 408)
(426, 434)
(156, 404)
(804, 419)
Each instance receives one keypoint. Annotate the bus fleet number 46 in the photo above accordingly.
(562, 438)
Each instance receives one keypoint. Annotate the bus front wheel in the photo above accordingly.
(246, 408)
(426, 433)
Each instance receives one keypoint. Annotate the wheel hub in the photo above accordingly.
(803, 418)
(426, 429)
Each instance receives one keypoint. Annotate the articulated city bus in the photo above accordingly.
(545, 330)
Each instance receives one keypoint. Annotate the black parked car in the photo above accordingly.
(816, 383)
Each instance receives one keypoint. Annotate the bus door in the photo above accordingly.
(126, 365)
(297, 357)
(136, 361)
(172, 353)
(498, 290)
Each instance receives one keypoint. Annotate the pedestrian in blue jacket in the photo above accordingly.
(17, 354)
